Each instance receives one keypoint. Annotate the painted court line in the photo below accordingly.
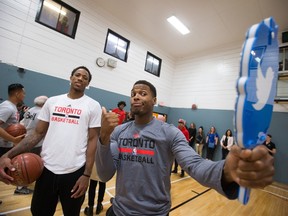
(189, 199)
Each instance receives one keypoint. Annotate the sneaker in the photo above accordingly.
(88, 211)
(182, 174)
(23, 190)
(174, 171)
(99, 208)
(111, 200)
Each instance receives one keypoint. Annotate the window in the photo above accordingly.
(283, 59)
(282, 84)
(116, 45)
(153, 64)
(58, 16)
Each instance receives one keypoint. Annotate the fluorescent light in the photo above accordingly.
(178, 25)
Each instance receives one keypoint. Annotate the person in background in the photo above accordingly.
(212, 141)
(30, 120)
(70, 124)
(91, 194)
(162, 118)
(129, 117)
(192, 134)
(16, 95)
(200, 140)
(270, 145)
(9, 114)
(226, 142)
(22, 108)
(182, 128)
(143, 169)
(63, 25)
(120, 111)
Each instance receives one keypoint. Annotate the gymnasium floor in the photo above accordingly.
(188, 198)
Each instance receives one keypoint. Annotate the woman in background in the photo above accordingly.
(192, 134)
(200, 140)
(212, 141)
(92, 193)
(226, 143)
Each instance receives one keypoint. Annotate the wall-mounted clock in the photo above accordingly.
(100, 62)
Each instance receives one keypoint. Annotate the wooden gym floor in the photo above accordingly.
(188, 198)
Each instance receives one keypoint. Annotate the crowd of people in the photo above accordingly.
(140, 148)
(198, 140)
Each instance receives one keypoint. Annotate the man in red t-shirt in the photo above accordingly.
(181, 126)
(120, 111)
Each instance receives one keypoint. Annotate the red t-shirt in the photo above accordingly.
(185, 132)
(121, 115)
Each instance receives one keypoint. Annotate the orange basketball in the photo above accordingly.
(16, 129)
(29, 167)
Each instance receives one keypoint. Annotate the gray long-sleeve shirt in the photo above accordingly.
(143, 155)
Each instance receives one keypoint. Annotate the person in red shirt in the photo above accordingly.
(120, 111)
(182, 127)
(62, 25)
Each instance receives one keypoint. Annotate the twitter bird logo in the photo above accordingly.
(263, 87)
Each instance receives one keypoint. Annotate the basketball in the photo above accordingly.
(29, 167)
(16, 129)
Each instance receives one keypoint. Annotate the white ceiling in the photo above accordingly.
(213, 23)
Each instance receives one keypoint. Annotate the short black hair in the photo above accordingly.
(121, 102)
(14, 87)
(82, 67)
(269, 135)
(151, 86)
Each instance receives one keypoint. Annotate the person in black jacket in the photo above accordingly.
(192, 134)
(270, 145)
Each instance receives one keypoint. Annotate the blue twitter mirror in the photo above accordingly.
(256, 87)
(257, 83)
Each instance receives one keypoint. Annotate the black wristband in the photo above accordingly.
(86, 175)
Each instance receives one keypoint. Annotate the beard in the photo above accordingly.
(141, 111)
(136, 111)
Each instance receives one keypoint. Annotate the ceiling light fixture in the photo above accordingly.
(178, 25)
